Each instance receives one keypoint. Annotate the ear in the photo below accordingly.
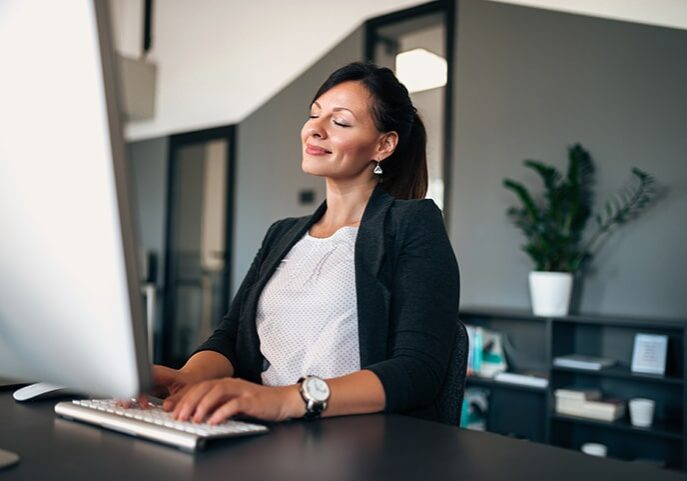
(386, 145)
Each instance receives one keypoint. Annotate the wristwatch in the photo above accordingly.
(315, 392)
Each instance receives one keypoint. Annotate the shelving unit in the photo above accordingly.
(528, 412)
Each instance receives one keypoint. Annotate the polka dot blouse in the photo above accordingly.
(307, 317)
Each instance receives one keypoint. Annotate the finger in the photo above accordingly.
(124, 403)
(227, 410)
(163, 380)
(187, 404)
(210, 402)
(143, 401)
(170, 403)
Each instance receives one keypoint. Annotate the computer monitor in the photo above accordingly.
(70, 304)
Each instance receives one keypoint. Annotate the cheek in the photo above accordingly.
(353, 147)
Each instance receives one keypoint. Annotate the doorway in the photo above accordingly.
(198, 239)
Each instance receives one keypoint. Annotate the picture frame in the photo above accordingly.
(649, 354)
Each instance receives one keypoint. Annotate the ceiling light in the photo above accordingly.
(420, 69)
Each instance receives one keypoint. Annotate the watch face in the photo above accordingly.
(317, 389)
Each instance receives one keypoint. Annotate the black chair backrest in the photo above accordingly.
(450, 399)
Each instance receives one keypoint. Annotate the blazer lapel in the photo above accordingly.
(372, 295)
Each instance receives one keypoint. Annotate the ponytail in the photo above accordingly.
(405, 171)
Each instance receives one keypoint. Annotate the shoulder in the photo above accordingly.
(406, 214)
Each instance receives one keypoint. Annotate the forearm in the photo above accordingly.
(208, 365)
(360, 392)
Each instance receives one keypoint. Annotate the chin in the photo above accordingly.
(308, 167)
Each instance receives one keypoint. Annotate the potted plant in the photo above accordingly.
(554, 224)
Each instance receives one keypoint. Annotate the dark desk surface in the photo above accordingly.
(360, 448)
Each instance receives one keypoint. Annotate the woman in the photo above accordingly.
(361, 297)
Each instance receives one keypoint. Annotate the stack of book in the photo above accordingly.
(523, 379)
(588, 404)
(579, 361)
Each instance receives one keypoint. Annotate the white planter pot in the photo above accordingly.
(550, 292)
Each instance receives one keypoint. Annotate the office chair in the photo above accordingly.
(450, 399)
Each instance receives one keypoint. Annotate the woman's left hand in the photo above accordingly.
(216, 400)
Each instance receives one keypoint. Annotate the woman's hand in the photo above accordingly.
(216, 400)
(168, 381)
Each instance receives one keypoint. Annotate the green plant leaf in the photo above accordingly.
(524, 196)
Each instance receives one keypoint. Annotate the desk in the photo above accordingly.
(374, 447)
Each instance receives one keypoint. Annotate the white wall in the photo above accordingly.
(219, 61)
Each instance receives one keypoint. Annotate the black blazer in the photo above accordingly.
(407, 287)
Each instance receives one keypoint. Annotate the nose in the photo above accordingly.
(315, 128)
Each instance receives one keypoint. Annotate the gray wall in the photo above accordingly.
(268, 168)
(530, 82)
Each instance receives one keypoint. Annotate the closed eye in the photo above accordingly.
(341, 124)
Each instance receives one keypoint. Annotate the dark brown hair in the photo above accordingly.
(405, 171)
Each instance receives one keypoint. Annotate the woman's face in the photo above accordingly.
(340, 139)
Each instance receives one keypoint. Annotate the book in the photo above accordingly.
(522, 379)
(485, 352)
(579, 361)
(602, 410)
(578, 395)
(588, 403)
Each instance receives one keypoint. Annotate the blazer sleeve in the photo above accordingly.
(223, 339)
(423, 313)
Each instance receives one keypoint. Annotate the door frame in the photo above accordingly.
(176, 142)
(448, 7)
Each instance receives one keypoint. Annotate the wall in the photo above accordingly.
(268, 167)
(216, 59)
(663, 13)
(530, 82)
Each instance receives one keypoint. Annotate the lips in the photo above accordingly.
(315, 150)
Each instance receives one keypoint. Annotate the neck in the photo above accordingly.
(346, 203)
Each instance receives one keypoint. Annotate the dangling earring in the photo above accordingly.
(378, 170)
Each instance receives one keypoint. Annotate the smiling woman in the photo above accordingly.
(352, 309)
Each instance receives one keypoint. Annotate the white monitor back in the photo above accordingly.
(70, 303)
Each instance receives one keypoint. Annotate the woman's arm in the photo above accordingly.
(424, 310)
(205, 365)
(216, 400)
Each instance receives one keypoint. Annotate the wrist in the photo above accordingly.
(294, 406)
(190, 375)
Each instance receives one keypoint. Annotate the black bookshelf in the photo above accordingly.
(528, 412)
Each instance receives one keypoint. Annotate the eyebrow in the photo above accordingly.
(336, 109)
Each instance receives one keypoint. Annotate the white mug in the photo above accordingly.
(642, 412)
(595, 449)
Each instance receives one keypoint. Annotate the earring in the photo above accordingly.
(378, 170)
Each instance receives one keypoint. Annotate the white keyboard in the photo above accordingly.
(152, 423)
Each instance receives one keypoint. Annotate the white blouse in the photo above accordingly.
(307, 317)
